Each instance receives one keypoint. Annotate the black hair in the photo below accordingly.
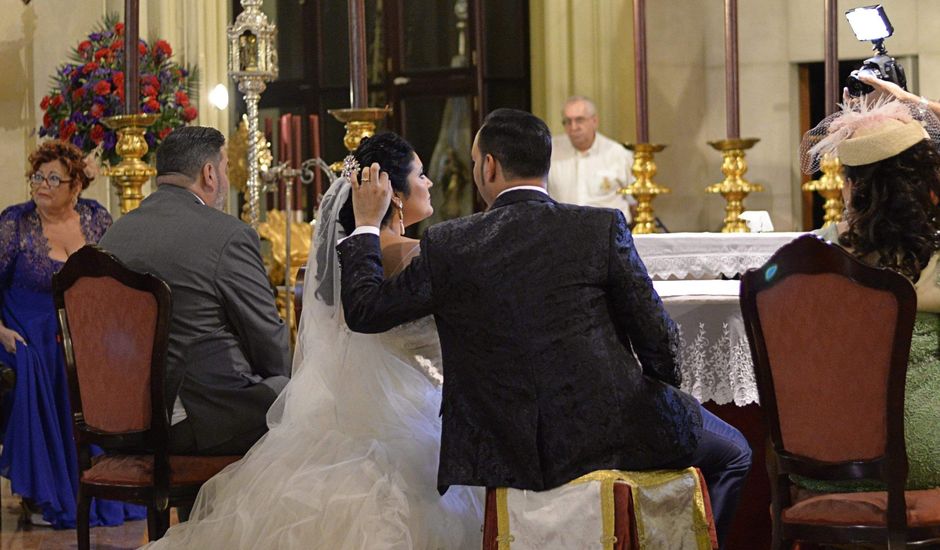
(395, 157)
(520, 141)
(187, 149)
(893, 216)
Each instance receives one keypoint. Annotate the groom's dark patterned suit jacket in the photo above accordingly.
(540, 308)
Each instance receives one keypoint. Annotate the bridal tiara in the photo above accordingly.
(350, 165)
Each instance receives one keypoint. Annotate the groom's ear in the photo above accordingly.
(489, 168)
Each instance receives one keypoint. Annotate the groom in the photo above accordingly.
(559, 358)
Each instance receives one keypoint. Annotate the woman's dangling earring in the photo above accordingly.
(401, 217)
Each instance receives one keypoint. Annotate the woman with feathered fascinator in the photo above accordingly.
(892, 188)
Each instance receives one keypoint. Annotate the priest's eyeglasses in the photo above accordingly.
(54, 180)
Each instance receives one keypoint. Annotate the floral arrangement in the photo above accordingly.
(91, 87)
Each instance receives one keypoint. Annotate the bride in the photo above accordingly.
(350, 460)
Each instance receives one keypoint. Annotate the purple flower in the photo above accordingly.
(110, 139)
(78, 140)
(94, 37)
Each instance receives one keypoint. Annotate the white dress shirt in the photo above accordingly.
(592, 177)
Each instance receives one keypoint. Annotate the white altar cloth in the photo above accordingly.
(714, 355)
(706, 255)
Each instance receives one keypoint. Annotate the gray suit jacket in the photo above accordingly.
(228, 349)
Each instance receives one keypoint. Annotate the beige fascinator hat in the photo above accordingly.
(868, 132)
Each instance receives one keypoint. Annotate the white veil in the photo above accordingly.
(350, 460)
(321, 325)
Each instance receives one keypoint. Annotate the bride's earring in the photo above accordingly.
(401, 216)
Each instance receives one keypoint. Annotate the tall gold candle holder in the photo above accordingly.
(643, 188)
(734, 188)
(131, 173)
(360, 123)
(829, 185)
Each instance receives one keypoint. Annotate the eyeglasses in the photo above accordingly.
(54, 180)
(579, 120)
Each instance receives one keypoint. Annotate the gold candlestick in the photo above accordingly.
(829, 185)
(643, 188)
(360, 123)
(132, 172)
(734, 188)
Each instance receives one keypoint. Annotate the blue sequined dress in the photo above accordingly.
(39, 454)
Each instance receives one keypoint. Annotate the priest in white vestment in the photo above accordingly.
(588, 167)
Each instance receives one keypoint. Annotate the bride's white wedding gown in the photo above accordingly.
(351, 459)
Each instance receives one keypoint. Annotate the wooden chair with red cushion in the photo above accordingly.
(830, 338)
(115, 326)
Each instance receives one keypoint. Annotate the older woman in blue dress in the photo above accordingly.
(36, 237)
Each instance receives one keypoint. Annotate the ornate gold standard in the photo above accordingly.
(252, 63)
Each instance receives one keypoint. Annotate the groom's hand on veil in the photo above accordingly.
(371, 194)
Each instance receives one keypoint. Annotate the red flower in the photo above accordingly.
(89, 67)
(163, 48)
(164, 132)
(153, 105)
(119, 28)
(47, 120)
(150, 80)
(97, 133)
(103, 52)
(148, 91)
(117, 45)
(78, 94)
(182, 99)
(84, 45)
(190, 113)
(66, 132)
(56, 100)
(118, 79)
(97, 110)
(142, 48)
(103, 87)
(44, 104)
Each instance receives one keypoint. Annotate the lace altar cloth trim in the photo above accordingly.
(706, 255)
(717, 367)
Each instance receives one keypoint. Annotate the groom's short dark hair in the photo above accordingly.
(520, 141)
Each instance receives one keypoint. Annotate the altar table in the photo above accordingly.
(706, 255)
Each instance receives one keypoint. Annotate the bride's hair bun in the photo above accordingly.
(395, 156)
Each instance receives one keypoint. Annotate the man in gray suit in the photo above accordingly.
(228, 356)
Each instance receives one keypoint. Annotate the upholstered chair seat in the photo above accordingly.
(137, 470)
(870, 508)
(619, 510)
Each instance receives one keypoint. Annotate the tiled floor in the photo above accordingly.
(15, 535)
